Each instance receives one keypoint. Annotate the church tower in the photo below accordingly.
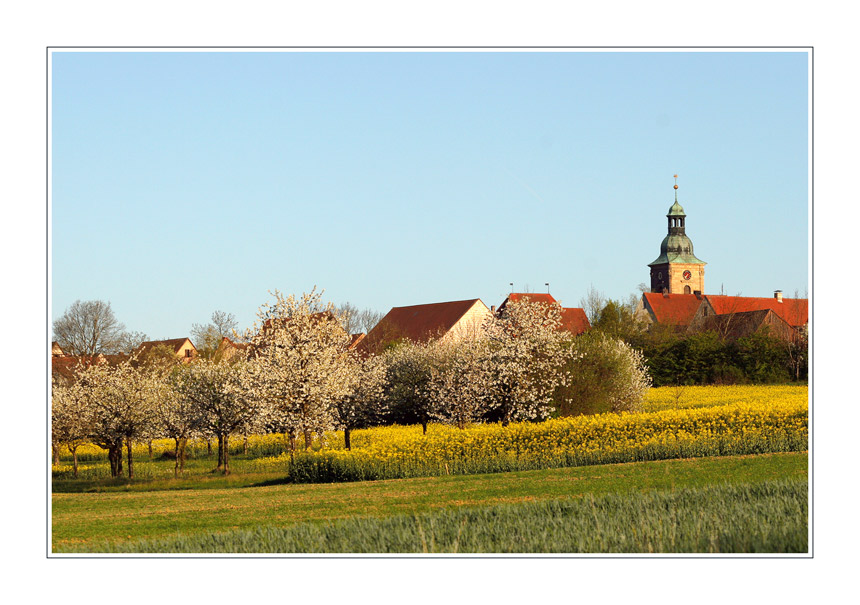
(677, 270)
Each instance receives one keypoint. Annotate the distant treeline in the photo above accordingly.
(675, 357)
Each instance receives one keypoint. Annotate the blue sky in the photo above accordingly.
(183, 183)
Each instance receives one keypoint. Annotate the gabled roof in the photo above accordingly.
(418, 323)
(55, 349)
(172, 343)
(672, 309)
(574, 320)
(794, 311)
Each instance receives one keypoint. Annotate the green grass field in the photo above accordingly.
(204, 505)
(767, 517)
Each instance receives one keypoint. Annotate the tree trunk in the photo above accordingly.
(115, 457)
(112, 461)
(346, 443)
(245, 445)
(55, 448)
(176, 457)
(308, 439)
(292, 434)
(220, 452)
(183, 444)
(150, 449)
(75, 461)
(424, 426)
(130, 467)
(226, 439)
(209, 446)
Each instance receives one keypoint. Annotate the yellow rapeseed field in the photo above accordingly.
(673, 422)
(696, 421)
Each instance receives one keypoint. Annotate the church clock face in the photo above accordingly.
(687, 275)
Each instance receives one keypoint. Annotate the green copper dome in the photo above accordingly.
(676, 209)
(676, 248)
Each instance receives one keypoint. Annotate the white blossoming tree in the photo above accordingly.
(177, 416)
(525, 360)
(363, 405)
(69, 420)
(299, 364)
(409, 393)
(120, 401)
(458, 380)
(219, 402)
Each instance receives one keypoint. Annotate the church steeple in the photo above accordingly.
(677, 270)
(676, 215)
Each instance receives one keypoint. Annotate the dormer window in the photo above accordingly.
(188, 352)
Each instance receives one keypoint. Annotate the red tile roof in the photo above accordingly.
(574, 320)
(672, 309)
(794, 311)
(418, 323)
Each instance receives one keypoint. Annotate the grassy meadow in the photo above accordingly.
(723, 518)
(747, 441)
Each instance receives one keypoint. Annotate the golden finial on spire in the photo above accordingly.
(676, 181)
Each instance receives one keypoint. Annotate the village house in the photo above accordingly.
(421, 323)
(181, 347)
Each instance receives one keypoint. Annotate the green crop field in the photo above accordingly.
(92, 521)
(768, 517)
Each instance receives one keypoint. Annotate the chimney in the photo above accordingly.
(492, 309)
(778, 295)
(665, 293)
(698, 294)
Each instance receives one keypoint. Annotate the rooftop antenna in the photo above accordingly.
(547, 287)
